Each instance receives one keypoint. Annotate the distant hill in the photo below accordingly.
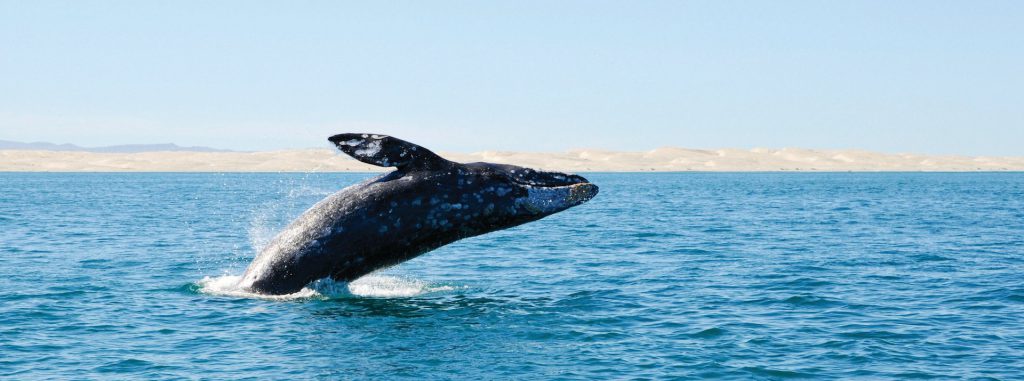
(124, 148)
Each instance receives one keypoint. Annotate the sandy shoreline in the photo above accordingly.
(582, 160)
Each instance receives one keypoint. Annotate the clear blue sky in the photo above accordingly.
(895, 76)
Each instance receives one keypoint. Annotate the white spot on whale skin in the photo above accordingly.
(548, 200)
(370, 149)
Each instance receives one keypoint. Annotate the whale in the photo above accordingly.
(425, 203)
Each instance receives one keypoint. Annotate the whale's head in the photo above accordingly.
(529, 194)
(473, 198)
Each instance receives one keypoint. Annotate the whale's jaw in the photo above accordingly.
(548, 200)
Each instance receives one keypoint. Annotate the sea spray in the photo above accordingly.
(370, 286)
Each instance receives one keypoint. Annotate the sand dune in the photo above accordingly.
(581, 160)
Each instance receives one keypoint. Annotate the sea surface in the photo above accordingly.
(661, 276)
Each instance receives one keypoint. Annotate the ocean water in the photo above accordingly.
(695, 275)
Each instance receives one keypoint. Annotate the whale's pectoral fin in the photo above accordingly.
(387, 151)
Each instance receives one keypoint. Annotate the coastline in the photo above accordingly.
(580, 160)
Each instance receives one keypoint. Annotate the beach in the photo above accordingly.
(578, 160)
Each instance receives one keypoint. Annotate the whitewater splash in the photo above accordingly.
(270, 217)
(370, 286)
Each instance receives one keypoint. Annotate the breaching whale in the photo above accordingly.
(426, 203)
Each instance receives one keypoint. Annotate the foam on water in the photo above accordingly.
(370, 286)
(228, 285)
(384, 286)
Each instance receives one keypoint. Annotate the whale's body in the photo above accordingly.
(426, 203)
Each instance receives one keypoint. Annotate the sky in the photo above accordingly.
(936, 77)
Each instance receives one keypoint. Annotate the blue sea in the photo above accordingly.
(661, 276)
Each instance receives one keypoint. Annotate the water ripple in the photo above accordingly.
(662, 276)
